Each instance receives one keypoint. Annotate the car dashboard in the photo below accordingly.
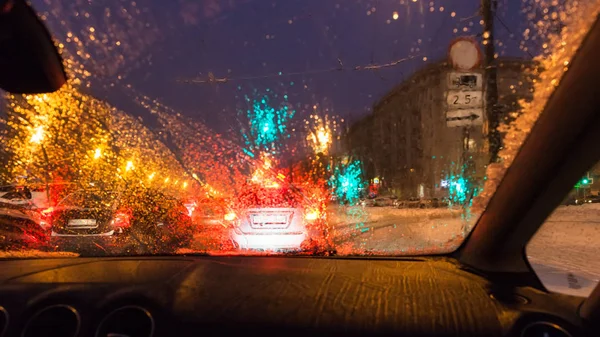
(271, 296)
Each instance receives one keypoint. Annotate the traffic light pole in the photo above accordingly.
(488, 9)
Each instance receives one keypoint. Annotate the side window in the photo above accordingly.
(565, 252)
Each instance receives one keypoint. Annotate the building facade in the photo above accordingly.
(406, 143)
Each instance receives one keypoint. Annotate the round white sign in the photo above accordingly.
(464, 54)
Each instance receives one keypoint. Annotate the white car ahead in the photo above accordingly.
(271, 218)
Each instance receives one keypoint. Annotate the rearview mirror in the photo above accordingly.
(29, 61)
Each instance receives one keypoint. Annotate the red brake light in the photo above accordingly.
(121, 219)
(46, 217)
(31, 239)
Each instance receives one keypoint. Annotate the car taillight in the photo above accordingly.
(46, 217)
(229, 217)
(121, 220)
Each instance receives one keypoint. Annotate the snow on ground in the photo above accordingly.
(564, 252)
(392, 231)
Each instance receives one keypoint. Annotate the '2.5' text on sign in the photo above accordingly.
(464, 99)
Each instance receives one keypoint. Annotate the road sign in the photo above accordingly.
(464, 117)
(464, 54)
(458, 99)
(465, 81)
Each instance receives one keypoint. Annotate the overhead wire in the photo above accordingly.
(512, 35)
(212, 79)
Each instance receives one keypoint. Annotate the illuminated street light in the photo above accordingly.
(129, 166)
(97, 153)
(320, 135)
(38, 136)
(267, 163)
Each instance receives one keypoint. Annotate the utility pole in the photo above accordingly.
(488, 10)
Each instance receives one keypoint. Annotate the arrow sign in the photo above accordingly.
(464, 117)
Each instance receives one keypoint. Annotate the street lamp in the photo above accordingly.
(129, 166)
(37, 138)
(97, 154)
(38, 135)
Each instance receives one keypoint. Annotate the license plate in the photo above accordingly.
(269, 219)
(82, 222)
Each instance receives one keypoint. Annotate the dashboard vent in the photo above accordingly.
(54, 321)
(3, 321)
(131, 321)
(544, 329)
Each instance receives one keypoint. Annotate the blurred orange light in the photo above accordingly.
(48, 210)
(314, 215)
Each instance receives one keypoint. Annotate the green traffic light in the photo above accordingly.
(585, 181)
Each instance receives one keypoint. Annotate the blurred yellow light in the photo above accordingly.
(272, 185)
(185, 184)
(167, 180)
(97, 153)
(129, 166)
(314, 215)
(151, 176)
(229, 216)
(38, 136)
(395, 16)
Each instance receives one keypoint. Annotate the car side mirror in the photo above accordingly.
(29, 61)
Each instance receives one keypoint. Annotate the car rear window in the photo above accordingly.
(90, 199)
(252, 197)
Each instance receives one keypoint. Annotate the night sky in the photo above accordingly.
(147, 47)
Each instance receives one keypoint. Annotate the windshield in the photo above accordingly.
(356, 127)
